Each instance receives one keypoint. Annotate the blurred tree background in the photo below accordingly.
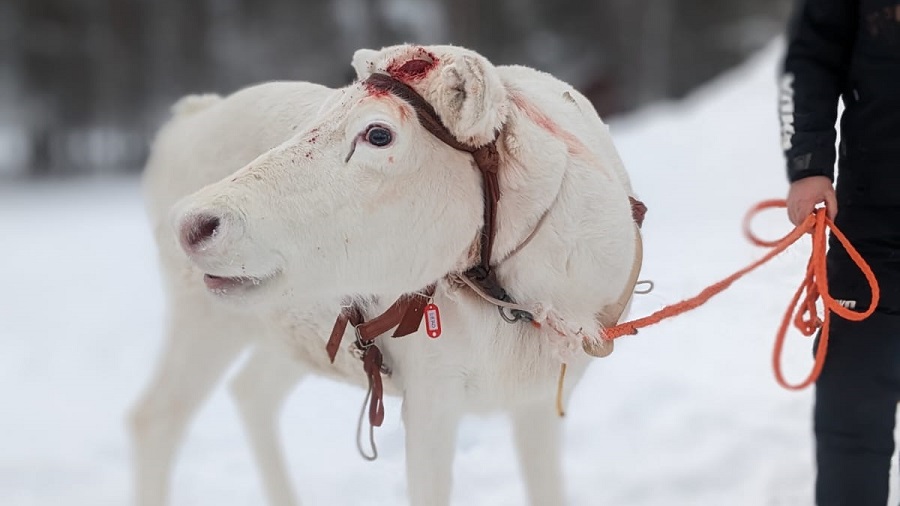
(85, 83)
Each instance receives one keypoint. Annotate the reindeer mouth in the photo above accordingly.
(224, 285)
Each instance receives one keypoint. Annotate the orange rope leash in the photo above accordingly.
(814, 286)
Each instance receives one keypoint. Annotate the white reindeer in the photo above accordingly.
(298, 199)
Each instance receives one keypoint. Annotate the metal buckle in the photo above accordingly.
(648, 283)
(360, 347)
(515, 315)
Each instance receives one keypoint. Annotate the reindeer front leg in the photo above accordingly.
(260, 390)
(431, 414)
(537, 430)
(201, 344)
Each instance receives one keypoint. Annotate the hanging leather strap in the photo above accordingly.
(638, 211)
(372, 362)
(404, 316)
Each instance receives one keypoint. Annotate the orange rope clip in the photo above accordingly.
(815, 287)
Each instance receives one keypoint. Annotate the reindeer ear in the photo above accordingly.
(471, 99)
(364, 62)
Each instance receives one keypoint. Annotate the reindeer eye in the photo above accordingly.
(379, 136)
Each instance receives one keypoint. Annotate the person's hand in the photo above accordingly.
(805, 194)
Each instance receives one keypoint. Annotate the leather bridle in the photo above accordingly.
(405, 314)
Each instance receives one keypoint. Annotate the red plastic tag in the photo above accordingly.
(432, 321)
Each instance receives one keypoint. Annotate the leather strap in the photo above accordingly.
(405, 314)
(610, 314)
(351, 315)
(638, 211)
(428, 117)
(487, 158)
(372, 361)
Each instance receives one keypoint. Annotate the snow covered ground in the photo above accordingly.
(686, 413)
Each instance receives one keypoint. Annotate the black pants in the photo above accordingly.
(855, 408)
(858, 391)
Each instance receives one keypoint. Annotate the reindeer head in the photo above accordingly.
(366, 201)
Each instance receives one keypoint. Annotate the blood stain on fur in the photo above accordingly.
(573, 145)
(404, 115)
(542, 120)
(375, 91)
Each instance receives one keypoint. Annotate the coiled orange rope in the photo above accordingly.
(813, 288)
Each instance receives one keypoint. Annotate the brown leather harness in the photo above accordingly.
(405, 314)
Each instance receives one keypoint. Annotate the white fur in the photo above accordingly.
(316, 230)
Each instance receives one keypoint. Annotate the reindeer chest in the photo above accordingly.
(487, 362)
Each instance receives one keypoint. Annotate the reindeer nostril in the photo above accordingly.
(202, 229)
(208, 227)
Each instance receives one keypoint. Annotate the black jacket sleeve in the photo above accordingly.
(820, 42)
